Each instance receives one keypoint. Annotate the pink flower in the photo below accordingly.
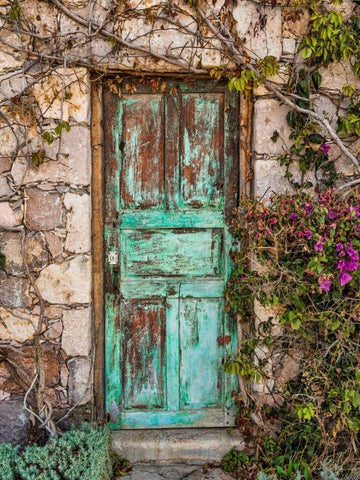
(308, 207)
(332, 214)
(353, 254)
(351, 265)
(308, 234)
(341, 265)
(319, 246)
(356, 210)
(325, 148)
(344, 278)
(293, 216)
(325, 283)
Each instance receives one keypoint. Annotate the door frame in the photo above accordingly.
(98, 203)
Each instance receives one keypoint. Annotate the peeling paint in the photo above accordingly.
(165, 308)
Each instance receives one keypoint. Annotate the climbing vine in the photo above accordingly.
(295, 285)
(302, 267)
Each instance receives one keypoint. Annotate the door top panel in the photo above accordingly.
(175, 149)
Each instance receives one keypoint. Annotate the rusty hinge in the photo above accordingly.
(224, 340)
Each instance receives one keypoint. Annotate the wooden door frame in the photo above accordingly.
(97, 195)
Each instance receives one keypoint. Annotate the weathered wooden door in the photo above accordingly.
(171, 184)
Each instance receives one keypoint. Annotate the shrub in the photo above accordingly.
(79, 454)
(300, 260)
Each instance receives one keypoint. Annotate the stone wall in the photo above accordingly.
(53, 200)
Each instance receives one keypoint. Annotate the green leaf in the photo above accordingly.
(316, 138)
(2, 260)
(275, 136)
(306, 53)
(37, 158)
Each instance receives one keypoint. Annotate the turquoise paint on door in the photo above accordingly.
(171, 183)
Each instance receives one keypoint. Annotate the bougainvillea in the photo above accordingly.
(302, 264)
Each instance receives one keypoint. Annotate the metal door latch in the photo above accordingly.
(113, 258)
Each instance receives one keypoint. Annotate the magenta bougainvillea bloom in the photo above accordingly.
(308, 234)
(308, 207)
(341, 265)
(325, 283)
(319, 246)
(344, 278)
(353, 254)
(325, 148)
(351, 266)
(332, 214)
(356, 211)
(293, 216)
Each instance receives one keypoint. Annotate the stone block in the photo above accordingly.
(79, 381)
(17, 326)
(289, 46)
(36, 254)
(170, 446)
(270, 116)
(78, 225)
(24, 357)
(74, 165)
(346, 8)
(53, 312)
(10, 246)
(210, 58)
(336, 74)
(18, 171)
(269, 177)
(76, 337)
(5, 164)
(68, 282)
(76, 105)
(343, 165)
(75, 4)
(329, 108)
(7, 216)
(54, 244)
(43, 210)
(14, 422)
(296, 26)
(5, 190)
(7, 139)
(53, 331)
(14, 291)
(279, 79)
(260, 42)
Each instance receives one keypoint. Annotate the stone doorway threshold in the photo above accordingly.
(194, 446)
(178, 471)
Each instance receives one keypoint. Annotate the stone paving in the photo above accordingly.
(179, 471)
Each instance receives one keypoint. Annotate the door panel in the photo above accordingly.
(141, 147)
(171, 181)
(172, 253)
(201, 146)
(143, 354)
(200, 372)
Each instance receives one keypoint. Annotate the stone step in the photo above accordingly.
(199, 445)
(182, 471)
